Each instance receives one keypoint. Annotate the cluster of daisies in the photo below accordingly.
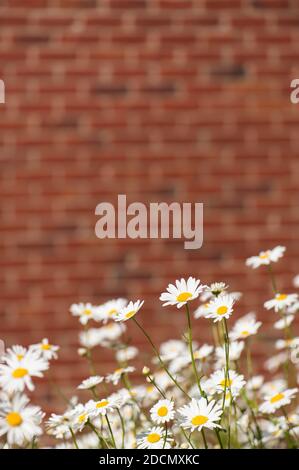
(192, 395)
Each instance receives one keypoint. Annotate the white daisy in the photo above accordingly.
(91, 382)
(234, 383)
(59, 425)
(154, 438)
(85, 312)
(101, 336)
(78, 417)
(217, 288)
(276, 401)
(221, 307)
(172, 349)
(292, 309)
(280, 301)
(101, 407)
(202, 310)
(46, 350)
(108, 310)
(163, 411)
(273, 387)
(287, 343)
(129, 311)
(126, 354)
(255, 383)
(282, 323)
(203, 352)
(15, 374)
(117, 374)
(244, 327)
(266, 257)
(199, 414)
(182, 292)
(19, 421)
(274, 362)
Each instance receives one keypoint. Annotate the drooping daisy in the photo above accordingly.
(266, 257)
(182, 292)
(129, 311)
(276, 401)
(19, 421)
(281, 301)
(108, 310)
(287, 343)
(154, 438)
(16, 375)
(101, 407)
(220, 308)
(234, 383)
(85, 312)
(162, 412)
(46, 350)
(198, 414)
(244, 327)
(117, 374)
(284, 322)
(126, 354)
(91, 382)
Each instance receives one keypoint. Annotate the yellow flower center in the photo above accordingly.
(20, 357)
(112, 312)
(87, 311)
(199, 420)
(14, 419)
(46, 347)
(102, 404)
(222, 310)
(245, 333)
(184, 296)
(82, 418)
(162, 411)
(130, 314)
(19, 373)
(150, 388)
(281, 296)
(264, 255)
(277, 398)
(153, 437)
(118, 371)
(226, 383)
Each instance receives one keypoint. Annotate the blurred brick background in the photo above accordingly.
(162, 100)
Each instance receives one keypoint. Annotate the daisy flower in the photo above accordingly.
(129, 311)
(217, 288)
(234, 383)
(199, 414)
(126, 354)
(59, 425)
(91, 382)
(255, 383)
(221, 307)
(280, 301)
(16, 352)
(274, 362)
(266, 257)
(19, 421)
(154, 438)
(182, 292)
(78, 417)
(244, 327)
(46, 350)
(85, 312)
(162, 412)
(117, 374)
(276, 401)
(287, 343)
(203, 352)
(16, 375)
(202, 311)
(172, 349)
(111, 308)
(101, 407)
(101, 336)
(287, 320)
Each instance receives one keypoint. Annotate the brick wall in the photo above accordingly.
(162, 100)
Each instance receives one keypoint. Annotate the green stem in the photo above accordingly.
(74, 438)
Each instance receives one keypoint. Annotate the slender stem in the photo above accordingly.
(74, 438)
(191, 351)
(101, 438)
(111, 432)
(122, 428)
(272, 277)
(159, 357)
